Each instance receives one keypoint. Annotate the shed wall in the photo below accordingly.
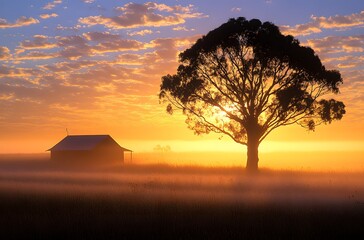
(88, 156)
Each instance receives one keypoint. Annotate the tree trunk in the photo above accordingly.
(252, 160)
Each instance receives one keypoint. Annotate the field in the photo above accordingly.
(44, 200)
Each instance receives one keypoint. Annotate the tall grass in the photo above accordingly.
(44, 200)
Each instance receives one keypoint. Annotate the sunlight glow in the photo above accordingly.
(72, 65)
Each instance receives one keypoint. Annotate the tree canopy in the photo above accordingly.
(245, 78)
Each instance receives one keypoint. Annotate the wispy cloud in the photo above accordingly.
(319, 23)
(4, 53)
(338, 44)
(236, 9)
(66, 91)
(140, 33)
(344, 53)
(75, 46)
(46, 15)
(75, 28)
(20, 22)
(52, 5)
(182, 28)
(101, 36)
(149, 14)
(38, 42)
(35, 55)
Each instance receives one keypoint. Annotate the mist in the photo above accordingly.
(36, 174)
(46, 199)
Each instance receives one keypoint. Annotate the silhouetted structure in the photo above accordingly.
(90, 148)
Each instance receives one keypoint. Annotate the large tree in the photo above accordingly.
(245, 79)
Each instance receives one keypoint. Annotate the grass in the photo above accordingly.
(43, 200)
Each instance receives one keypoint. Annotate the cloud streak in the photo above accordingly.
(319, 23)
(46, 15)
(133, 15)
(74, 47)
(338, 44)
(141, 32)
(20, 22)
(4, 53)
(38, 42)
(52, 5)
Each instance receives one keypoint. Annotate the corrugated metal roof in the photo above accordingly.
(81, 142)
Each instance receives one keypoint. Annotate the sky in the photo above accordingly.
(95, 67)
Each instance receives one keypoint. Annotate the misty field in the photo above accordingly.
(46, 200)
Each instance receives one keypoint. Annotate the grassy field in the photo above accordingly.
(44, 200)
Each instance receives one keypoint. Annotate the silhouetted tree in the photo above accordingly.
(245, 79)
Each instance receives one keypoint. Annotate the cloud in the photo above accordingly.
(73, 28)
(36, 55)
(101, 74)
(112, 43)
(46, 16)
(344, 62)
(338, 21)
(52, 5)
(101, 36)
(319, 23)
(20, 22)
(38, 42)
(338, 44)
(140, 33)
(130, 59)
(74, 47)
(354, 77)
(6, 96)
(68, 67)
(95, 43)
(167, 49)
(82, 78)
(149, 14)
(76, 41)
(4, 53)
(97, 77)
(235, 9)
(345, 53)
(117, 46)
(300, 29)
(12, 72)
(352, 62)
(182, 28)
(88, 1)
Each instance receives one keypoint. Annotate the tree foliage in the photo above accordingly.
(245, 79)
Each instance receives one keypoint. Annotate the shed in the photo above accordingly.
(93, 148)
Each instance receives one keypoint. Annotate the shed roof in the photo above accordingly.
(82, 143)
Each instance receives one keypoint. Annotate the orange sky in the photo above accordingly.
(98, 70)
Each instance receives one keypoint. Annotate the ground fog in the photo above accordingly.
(45, 199)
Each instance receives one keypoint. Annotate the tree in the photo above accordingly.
(244, 79)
